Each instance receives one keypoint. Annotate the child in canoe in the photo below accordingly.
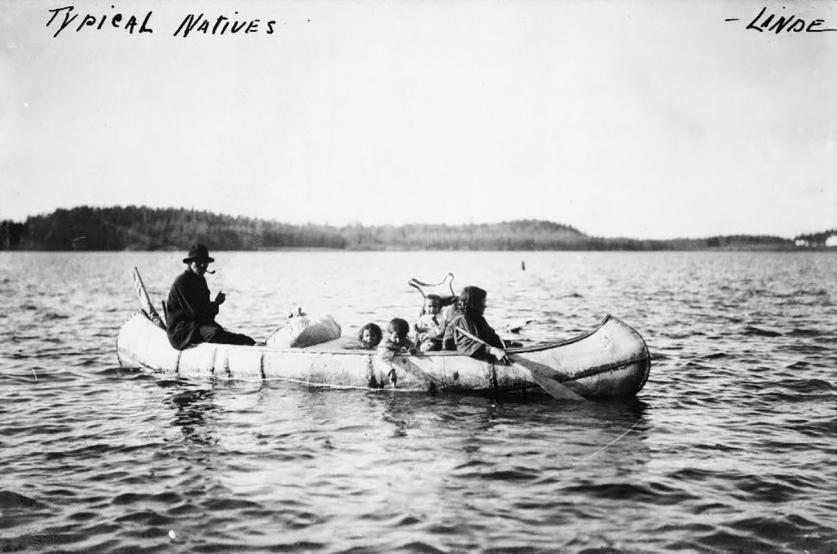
(396, 340)
(430, 327)
(370, 335)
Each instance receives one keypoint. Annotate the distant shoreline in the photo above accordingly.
(143, 229)
(784, 249)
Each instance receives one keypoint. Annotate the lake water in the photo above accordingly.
(729, 447)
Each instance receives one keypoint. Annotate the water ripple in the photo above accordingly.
(728, 448)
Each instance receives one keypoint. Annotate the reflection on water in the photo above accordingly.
(192, 407)
(729, 447)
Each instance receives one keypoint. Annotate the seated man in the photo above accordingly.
(190, 313)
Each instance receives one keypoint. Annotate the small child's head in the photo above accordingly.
(432, 304)
(370, 335)
(397, 330)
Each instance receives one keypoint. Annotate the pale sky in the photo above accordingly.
(646, 119)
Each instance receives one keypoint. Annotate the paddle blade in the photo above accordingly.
(553, 388)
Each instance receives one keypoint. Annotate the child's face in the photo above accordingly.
(392, 334)
(431, 306)
(366, 337)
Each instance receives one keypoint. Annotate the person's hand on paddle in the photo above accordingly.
(219, 299)
(500, 354)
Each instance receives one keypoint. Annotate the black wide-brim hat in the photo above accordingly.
(198, 253)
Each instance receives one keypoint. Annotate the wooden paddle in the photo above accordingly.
(145, 301)
(552, 387)
(409, 366)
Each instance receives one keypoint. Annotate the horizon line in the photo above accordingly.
(418, 223)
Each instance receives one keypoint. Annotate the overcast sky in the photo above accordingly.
(648, 119)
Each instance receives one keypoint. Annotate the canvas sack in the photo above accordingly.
(302, 330)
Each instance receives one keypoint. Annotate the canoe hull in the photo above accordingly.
(611, 360)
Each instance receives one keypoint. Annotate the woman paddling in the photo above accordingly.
(468, 317)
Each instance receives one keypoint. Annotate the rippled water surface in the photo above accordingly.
(729, 447)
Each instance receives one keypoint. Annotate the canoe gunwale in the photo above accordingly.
(549, 345)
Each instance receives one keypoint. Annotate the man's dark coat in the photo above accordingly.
(188, 308)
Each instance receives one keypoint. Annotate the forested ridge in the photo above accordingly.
(817, 239)
(144, 228)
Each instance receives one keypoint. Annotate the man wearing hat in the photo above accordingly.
(190, 313)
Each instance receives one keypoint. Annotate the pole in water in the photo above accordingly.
(523, 265)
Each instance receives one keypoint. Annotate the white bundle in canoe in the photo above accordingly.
(301, 330)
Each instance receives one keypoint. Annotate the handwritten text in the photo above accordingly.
(791, 23)
(67, 17)
(71, 19)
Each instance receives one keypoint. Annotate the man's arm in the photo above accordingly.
(464, 344)
(490, 336)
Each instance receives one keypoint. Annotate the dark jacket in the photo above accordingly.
(477, 326)
(188, 307)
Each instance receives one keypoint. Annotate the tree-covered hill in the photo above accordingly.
(143, 228)
(825, 238)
